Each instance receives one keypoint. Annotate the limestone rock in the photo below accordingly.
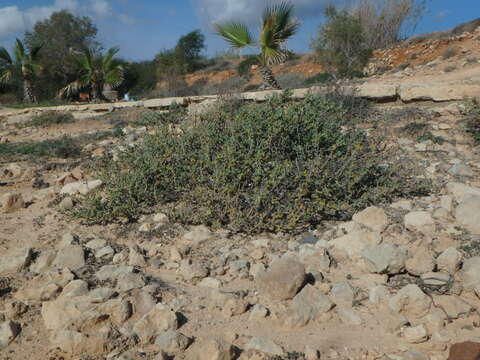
(421, 262)
(449, 260)
(453, 305)
(172, 341)
(411, 302)
(283, 280)
(198, 235)
(416, 334)
(385, 258)
(15, 261)
(461, 191)
(470, 273)
(81, 187)
(467, 214)
(373, 218)
(72, 257)
(264, 345)
(307, 305)
(343, 292)
(421, 221)
(214, 350)
(8, 332)
(353, 243)
(161, 318)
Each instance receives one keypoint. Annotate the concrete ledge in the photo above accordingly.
(438, 92)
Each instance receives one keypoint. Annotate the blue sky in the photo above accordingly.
(143, 27)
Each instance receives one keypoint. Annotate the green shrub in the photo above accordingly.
(473, 120)
(243, 68)
(49, 118)
(65, 147)
(341, 44)
(278, 166)
(291, 81)
(319, 78)
(155, 118)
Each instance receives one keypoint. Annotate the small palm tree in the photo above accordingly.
(278, 25)
(96, 71)
(23, 65)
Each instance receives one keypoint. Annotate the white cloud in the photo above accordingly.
(251, 10)
(11, 20)
(101, 8)
(14, 21)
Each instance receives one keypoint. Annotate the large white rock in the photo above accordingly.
(283, 279)
(461, 191)
(353, 243)
(373, 218)
(419, 221)
(411, 302)
(81, 187)
(467, 214)
(159, 319)
(385, 258)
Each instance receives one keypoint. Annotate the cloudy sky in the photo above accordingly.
(143, 27)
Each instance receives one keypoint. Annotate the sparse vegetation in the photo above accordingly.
(65, 147)
(450, 52)
(320, 78)
(449, 68)
(253, 168)
(60, 148)
(473, 120)
(48, 118)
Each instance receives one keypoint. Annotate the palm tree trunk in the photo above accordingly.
(28, 95)
(269, 81)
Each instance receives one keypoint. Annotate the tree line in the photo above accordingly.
(61, 56)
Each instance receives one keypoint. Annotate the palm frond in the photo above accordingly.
(34, 52)
(5, 56)
(6, 75)
(19, 51)
(279, 20)
(109, 57)
(73, 88)
(235, 33)
(115, 76)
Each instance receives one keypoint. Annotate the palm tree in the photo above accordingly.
(23, 65)
(96, 71)
(278, 25)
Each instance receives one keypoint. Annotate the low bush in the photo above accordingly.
(65, 147)
(243, 68)
(319, 78)
(291, 81)
(473, 120)
(155, 118)
(450, 52)
(49, 118)
(277, 166)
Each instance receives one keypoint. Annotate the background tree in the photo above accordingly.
(385, 22)
(23, 65)
(341, 45)
(278, 25)
(97, 70)
(139, 77)
(63, 36)
(185, 57)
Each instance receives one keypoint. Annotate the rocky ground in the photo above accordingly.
(400, 281)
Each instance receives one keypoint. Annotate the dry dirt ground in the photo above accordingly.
(399, 281)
